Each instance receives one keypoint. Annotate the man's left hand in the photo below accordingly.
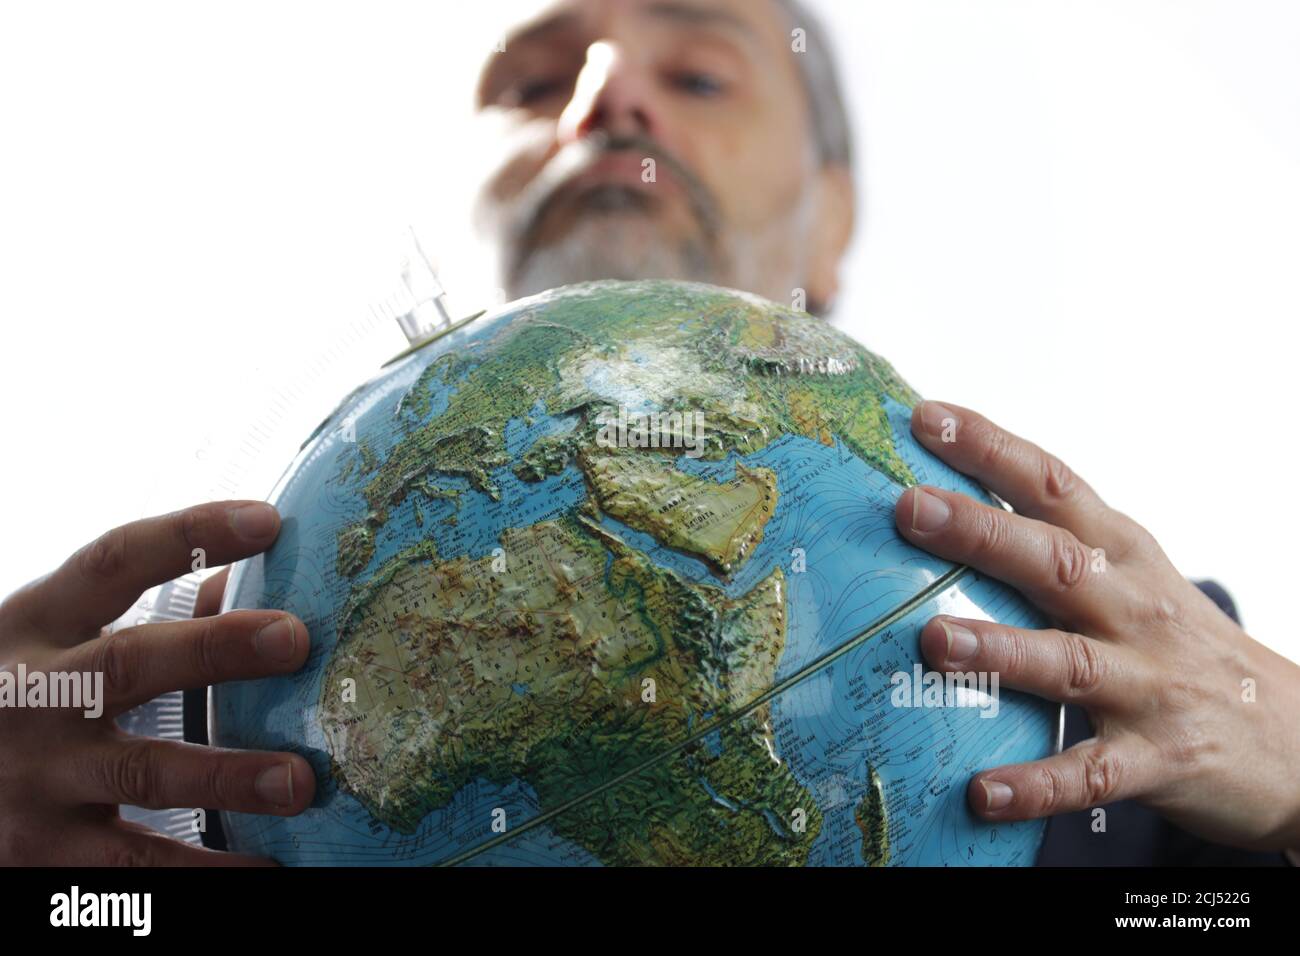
(1192, 716)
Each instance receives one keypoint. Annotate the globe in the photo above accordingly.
(610, 576)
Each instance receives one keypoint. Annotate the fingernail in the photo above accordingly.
(277, 641)
(275, 785)
(935, 418)
(929, 512)
(962, 642)
(253, 523)
(996, 794)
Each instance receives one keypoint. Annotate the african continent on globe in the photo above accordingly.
(610, 576)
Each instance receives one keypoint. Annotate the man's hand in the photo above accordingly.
(1192, 717)
(62, 774)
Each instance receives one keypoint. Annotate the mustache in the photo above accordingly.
(552, 188)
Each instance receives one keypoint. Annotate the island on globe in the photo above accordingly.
(610, 576)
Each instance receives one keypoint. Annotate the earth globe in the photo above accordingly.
(610, 576)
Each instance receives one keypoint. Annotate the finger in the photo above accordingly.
(211, 591)
(126, 844)
(102, 580)
(167, 774)
(139, 663)
(1058, 665)
(1035, 483)
(1089, 774)
(140, 846)
(1052, 567)
(98, 837)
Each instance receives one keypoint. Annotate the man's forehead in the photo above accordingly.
(750, 19)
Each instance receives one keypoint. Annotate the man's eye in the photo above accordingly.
(530, 92)
(697, 84)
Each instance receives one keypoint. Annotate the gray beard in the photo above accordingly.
(615, 237)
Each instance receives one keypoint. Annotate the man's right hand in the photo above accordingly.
(62, 774)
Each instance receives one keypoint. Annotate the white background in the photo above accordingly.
(1080, 219)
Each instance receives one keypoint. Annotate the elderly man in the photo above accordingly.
(707, 140)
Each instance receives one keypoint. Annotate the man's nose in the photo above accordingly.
(613, 94)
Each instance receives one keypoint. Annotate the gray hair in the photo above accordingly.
(821, 83)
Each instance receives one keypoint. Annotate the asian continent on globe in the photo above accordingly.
(610, 577)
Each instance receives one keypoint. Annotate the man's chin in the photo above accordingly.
(615, 244)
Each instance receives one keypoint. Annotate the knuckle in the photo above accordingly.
(995, 445)
(1015, 653)
(1085, 667)
(1132, 539)
(217, 785)
(1060, 483)
(990, 531)
(1050, 788)
(1164, 614)
(185, 525)
(1101, 772)
(205, 652)
(134, 775)
(103, 558)
(1069, 560)
(115, 658)
(1184, 693)
(1190, 746)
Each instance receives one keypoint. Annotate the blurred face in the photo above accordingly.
(658, 139)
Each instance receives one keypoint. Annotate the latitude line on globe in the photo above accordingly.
(942, 583)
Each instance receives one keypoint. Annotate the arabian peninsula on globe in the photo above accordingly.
(610, 577)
